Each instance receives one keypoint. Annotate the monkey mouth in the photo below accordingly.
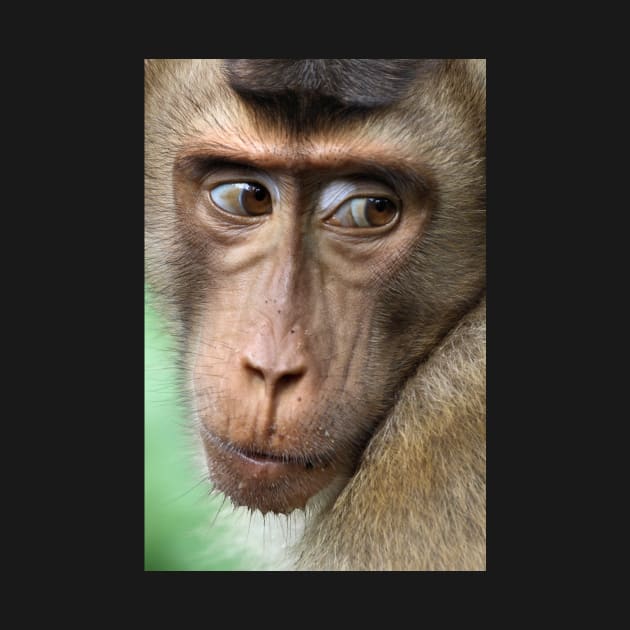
(260, 457)
(265, 481)
(257, 456)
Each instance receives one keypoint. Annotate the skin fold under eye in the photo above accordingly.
(242, 198)
(364, 212)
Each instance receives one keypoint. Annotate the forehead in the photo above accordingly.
(303, 128)
(268, 117)
(297, 92)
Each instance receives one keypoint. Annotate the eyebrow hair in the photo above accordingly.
(392, 170)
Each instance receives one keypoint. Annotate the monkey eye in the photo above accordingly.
(242, 198)
(364, 212)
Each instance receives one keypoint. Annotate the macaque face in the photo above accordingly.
(311, 263)
(288, 377)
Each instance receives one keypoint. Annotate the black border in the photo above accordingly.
(106, 286)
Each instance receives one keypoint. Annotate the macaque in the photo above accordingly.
(315, 236)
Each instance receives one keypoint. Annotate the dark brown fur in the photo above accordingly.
(352, 82)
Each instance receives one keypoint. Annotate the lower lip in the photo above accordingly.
(263, 484)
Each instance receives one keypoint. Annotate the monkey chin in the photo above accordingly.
(265, 483)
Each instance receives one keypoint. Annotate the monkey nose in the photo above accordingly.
(274, 373)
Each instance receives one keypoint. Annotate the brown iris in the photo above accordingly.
(379, 211)
(365, 212)
(242, 198)
(255, 199)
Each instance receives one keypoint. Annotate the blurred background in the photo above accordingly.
(179, 531)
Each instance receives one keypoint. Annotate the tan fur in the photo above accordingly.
(417, 501)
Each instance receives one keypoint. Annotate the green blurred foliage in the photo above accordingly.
(178, 512)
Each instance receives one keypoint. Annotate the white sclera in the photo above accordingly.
(350, 198)
(228, 197)
(357, 207)
(336, 192)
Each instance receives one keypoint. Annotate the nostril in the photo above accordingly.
(254, 370)
(289, 378)
(273, 376)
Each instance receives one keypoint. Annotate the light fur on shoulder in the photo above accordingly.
(417, 501)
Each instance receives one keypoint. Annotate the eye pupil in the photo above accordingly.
(259, 193)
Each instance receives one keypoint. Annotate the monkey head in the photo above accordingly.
(313, 229)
